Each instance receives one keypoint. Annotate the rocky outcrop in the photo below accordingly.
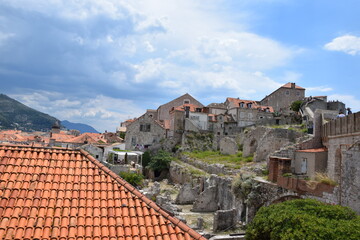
(224, 220)
(187, 194)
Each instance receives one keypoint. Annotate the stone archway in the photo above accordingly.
(253, 146)
(282, 198)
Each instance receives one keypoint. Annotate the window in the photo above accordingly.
(297, 93)
(133, 141)
(249, 105)
(186, 101)
(241, 104)
(198, 110)
(287, 92)
(195, 118)
(145, 127)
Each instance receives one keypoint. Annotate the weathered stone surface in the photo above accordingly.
(228, 146)
(165, 203)
(263, 141)
(224, 220)
(350, 194)
(153, 191)
(206, 202)
(187, 195)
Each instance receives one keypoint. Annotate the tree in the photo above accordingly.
(134, 179)
(160, 161)
(295, 106)
(304, 219)
(146, 158)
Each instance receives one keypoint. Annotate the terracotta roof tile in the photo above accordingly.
(288, 85)
(313, 150)
(66, 194)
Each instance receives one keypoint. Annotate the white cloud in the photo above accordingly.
(348, 44)
(5, 37)
(319, 89)
(175, 46)
(102, 113)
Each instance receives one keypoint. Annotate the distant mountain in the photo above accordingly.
(15, 115)
(78, 126)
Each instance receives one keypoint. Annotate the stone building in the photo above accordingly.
(217, 108)
(312, 104)
(144, 132)
(282, 97)
(249, 112)
(310, 161)
(163, 111)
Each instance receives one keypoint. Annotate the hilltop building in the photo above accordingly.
(281, 99)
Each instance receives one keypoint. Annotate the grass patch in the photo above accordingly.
(213, 157)
(324, 178)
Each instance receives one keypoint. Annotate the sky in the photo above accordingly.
(101, 62)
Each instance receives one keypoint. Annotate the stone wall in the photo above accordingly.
(341, 126)
(262, 141)
(201, 141)
(228, 146)
(350, 179)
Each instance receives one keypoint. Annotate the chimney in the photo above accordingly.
(292, 85)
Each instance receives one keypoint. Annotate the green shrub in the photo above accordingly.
(146, 158)
(134, 179)
(295, 106)
(304, 219)
(160, 161)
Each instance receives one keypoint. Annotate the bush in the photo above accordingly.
(146, 158)
(295, 106)
(304, 219)
(134, 179)
(160, 161)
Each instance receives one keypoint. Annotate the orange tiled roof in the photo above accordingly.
(313, 150)
(193, 107)
(254, 104)
(87, 137)
(49, 193)
(288, 85)
(61, 137)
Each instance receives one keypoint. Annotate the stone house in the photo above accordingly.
(217, 108)
(249, 112)
(310, 161)
(312, 104)
(282, 97)
(144, 132)
(163, 111)
(188, 117)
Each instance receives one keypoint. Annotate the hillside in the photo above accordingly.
(78, 126)
(15, 115)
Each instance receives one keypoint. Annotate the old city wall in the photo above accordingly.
(263, 141)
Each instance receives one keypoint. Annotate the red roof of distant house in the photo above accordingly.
(254, 104)
(49, 193)
(182, 107)
(314, 150)
(288, 85)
